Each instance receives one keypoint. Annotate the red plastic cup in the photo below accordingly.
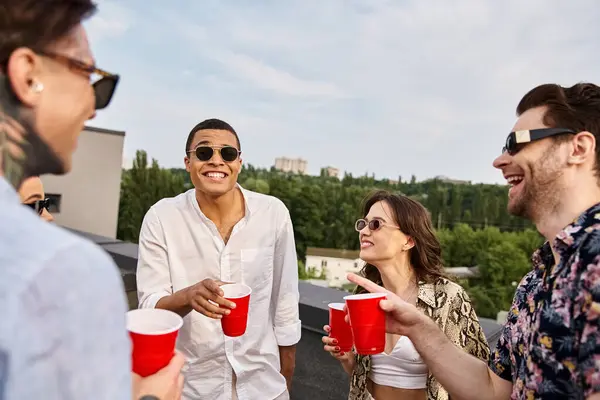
(234, 324)
(340, 329)
(153, 334)
(367, 321)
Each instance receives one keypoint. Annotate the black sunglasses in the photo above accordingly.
(39, 205)
(517, 138)
(373, 225)
(104, 87)
(205, 153)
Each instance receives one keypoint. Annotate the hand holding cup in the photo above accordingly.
(207, 298)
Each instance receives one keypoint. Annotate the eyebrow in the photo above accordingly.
(35, 196)
(209, 143)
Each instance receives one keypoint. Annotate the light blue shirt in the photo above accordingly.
(62, 312)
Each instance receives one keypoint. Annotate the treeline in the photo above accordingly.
(472, 222)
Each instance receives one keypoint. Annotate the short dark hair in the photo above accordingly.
(576, 107)
(37, 24)
(212, 123)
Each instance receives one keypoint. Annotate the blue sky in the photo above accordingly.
(391, 87)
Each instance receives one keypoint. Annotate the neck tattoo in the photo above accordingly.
(22, 152)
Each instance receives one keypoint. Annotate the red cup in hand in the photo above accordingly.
(235, 323)
(340, 329)
(367, 321)
(153, 334)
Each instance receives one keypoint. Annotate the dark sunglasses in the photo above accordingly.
(373, 225)
(104, 85)
(39, 205)
(517, 138)
(205, 153)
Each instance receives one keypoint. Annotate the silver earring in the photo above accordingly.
(37, 87)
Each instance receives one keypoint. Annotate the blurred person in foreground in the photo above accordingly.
(62, 302)
(32, 195)
(550, 345)
(214, 233)
(403, 254)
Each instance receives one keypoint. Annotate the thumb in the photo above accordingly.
(387, 305)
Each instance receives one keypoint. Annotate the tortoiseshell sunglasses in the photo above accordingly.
(104, 86)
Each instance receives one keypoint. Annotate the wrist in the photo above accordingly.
(421, 327)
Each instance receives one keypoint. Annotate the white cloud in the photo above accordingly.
(380, 85)
(112, 20)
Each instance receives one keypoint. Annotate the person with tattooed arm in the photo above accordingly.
(62, 334)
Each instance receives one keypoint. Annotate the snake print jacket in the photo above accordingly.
(449, 306)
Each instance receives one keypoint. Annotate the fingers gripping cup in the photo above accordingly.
(153, 334)
(367, 321)
(235, 323)
(340, 329)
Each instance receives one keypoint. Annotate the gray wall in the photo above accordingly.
(90, 192)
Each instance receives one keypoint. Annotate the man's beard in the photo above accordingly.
(23, 153)
(540, 191)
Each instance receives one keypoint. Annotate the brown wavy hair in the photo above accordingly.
(414, 220)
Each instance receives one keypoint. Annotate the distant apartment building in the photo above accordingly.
(445, 179)
(332, 172)
(87, 198)
(294, 165)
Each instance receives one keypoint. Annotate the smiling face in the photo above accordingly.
(387, 241)
(535, 173)
(213, 177)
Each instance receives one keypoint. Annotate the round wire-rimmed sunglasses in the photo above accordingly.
(205, 153)
(374, 225)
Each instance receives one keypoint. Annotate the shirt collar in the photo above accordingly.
(246, 194)
(568, 238)
(427, 294)
(7, 192)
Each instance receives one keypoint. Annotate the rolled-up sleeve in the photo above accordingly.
(285, 297)
(153, 274)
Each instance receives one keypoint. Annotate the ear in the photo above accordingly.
(186, 161)
(23, 71)
(583, 149)
(410, 243)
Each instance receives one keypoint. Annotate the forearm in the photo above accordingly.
(287, 355)
(177, 302)
(462, 375)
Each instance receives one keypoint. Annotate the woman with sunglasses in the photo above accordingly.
(403, 254)
(32, 195)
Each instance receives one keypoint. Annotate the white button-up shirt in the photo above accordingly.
(179, 247)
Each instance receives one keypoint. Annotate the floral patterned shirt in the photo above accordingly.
(550, 345)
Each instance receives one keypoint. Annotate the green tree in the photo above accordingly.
(141, 187)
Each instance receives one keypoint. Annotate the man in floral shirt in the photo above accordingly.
(550, 346)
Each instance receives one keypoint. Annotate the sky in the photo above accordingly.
(385, 87)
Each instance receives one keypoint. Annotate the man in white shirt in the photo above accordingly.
(218, 232)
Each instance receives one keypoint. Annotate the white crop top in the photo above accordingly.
(403, 368)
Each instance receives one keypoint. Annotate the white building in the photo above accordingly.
(294, 165)
(332, 172)
(333, 264)
(87, 198)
